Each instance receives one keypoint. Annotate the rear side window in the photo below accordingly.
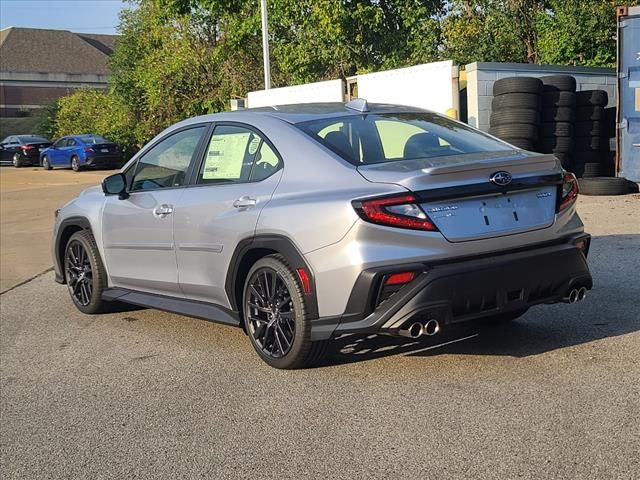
(237, 154)
(376, 138)
(166, 163)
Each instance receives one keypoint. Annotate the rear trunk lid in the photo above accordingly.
(104, 148)
(460, 197)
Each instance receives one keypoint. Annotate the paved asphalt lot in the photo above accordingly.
(147, 394)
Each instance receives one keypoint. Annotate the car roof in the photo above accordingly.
(303, 112)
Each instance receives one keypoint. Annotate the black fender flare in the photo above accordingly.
(80, 223)
(276, 243)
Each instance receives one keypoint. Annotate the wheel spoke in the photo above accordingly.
(259, 308)
(258, 295)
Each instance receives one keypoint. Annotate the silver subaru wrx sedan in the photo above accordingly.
(301, 223)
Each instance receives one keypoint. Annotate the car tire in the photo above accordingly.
(517, 85)
(45, 163)
(558, 99)
(17, 161)
(521, 143)
(557, 144)
(590, 143)
(561, 129)
(563, 83)
(518, 130)
(75, 164)
(81, 256)
(558, 114)
(587, 169)
(269, 283)
(603, 186)
(516, 100)
(598, 98)
(589, 113)
(589, 129)
(508, 116)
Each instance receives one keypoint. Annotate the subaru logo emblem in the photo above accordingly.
(501, 179)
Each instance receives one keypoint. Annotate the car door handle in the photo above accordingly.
(244, 202)
(163, 210)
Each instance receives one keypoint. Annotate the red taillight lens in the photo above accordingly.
(568, 191)
(27, 147)
(399, 211)
(88, 149)
(400, 278)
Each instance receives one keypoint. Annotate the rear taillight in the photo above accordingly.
(88, 149)
(400, 211)
(399, 278)
(27, 147)
(568, 191)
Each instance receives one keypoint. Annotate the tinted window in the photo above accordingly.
(70, 142)
(60, 142)
(375, 138)
(237, 154)
(32, 139)
(166, 164)
(92, 139)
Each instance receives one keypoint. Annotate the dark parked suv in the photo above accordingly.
(21, 150)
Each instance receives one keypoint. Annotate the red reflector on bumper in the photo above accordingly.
(400, 278)
(304, 279)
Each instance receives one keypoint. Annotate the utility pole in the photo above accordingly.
(265, 45)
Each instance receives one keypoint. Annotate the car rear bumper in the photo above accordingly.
(106, 161)
(463, 290)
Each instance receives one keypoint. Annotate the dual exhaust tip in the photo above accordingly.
(576, 295)
(430, 327)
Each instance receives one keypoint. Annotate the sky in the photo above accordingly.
(84, 16)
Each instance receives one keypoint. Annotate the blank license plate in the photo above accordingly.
(494, 215)
(104, 150)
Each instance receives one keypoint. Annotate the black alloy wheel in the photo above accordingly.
(84, 273)
(270, 313)
(79, 273)
(275, 317)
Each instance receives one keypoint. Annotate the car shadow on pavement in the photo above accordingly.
(611, 309)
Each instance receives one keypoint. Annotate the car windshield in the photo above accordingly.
(32, 139)
(93, 139)
(375, 138)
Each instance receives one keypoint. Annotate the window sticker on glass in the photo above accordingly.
(226, 154)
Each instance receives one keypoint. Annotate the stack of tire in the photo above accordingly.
(515, 112)
(558, 115)
(591, 134)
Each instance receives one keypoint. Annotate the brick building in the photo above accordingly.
(38, 66)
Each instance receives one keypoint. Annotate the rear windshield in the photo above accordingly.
(376, 138)
(93, 139)
(32, 139)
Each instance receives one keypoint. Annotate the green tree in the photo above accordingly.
(95, 111)
(577, 32)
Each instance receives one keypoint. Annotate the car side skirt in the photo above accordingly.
(190, 308)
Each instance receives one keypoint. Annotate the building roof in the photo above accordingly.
(34, 50)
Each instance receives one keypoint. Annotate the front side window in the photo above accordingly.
(237, 154)
(61, 142)
(166, 163)
(385, 137)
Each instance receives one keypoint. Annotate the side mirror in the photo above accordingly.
(115, 185)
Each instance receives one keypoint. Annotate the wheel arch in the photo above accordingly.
(249, 251)
(68, 227)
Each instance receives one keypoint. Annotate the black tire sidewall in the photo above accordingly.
(297, 355)
(98, 273)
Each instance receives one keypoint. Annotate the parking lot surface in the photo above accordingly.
(147, 394)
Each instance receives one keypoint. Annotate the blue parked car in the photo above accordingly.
(82, 151)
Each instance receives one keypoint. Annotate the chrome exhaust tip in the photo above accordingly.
(431, 327)
(572, 297)
(582, 293)
(414, 331)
